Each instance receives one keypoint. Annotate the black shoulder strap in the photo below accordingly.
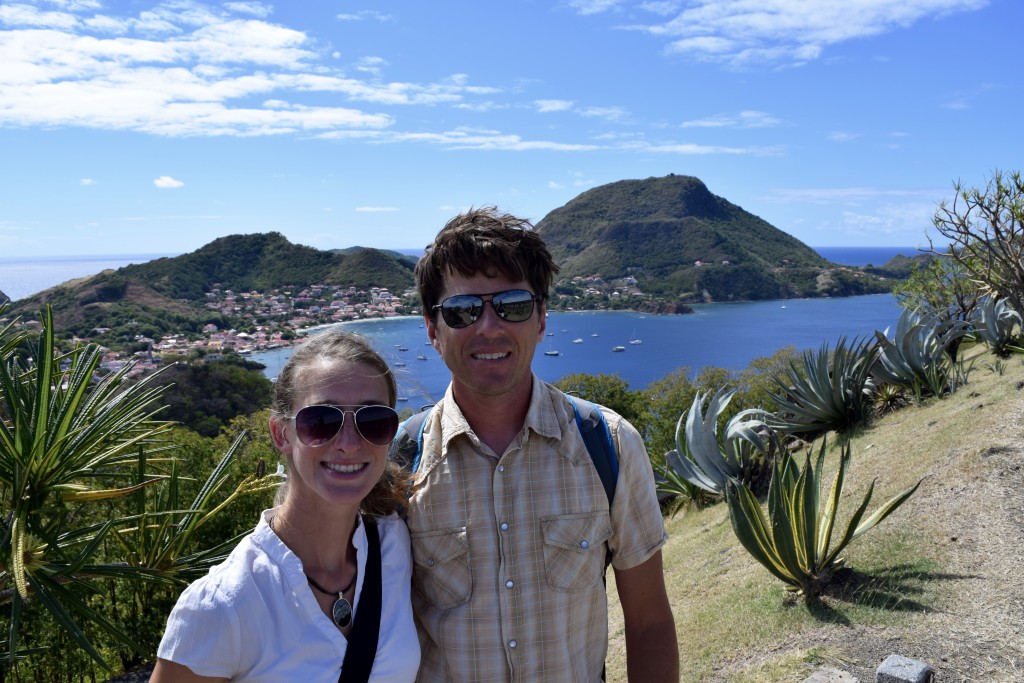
(362, 641)
(598, 439)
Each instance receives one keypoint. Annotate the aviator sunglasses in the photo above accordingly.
(317, 425)
(462, 310)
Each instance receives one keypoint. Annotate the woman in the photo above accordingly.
(289, 601)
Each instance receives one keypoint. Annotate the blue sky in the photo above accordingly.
(155, 127)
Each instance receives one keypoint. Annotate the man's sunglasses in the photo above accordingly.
(462, 310)
(317, 425)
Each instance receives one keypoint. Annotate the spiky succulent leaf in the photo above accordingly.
(708, 459)
(827, 391)
(793, 542)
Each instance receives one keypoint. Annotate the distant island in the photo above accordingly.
(655, 245)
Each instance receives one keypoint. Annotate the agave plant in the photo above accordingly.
(995, 323)
(795, 541)
(916, 357)
(707, 459)
(831, 390)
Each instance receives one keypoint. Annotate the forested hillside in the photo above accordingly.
(678, 240)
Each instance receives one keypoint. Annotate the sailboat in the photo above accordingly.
(634, 340)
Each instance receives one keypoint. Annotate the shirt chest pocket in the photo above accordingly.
(574, 549)
(441, 573)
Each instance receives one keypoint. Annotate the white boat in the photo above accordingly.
(618, 348)
(577, 340)
(552, 353)
(421, 357)
(635, 341)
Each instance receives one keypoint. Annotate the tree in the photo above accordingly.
(611, 391)
(73, 447)
(984, 228)
(666, 399)
(942, 289)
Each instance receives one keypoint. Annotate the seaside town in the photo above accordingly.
(274, 319)
(263, 321)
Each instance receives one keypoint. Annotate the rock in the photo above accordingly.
(898, 669)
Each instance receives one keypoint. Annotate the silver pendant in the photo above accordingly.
(342, 612)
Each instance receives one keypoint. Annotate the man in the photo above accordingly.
(511, 526)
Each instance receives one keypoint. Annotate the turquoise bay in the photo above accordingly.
(721, 335)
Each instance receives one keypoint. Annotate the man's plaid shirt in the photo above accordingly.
(509, 552)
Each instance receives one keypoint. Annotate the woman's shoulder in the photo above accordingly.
(392, 528)
(248, 566)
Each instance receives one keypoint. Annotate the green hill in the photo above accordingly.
(169, 295)
(680, 241)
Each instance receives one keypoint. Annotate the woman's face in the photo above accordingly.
(344, 470)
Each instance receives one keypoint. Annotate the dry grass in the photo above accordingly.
(939, 581)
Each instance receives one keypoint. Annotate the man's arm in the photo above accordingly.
(652, 650)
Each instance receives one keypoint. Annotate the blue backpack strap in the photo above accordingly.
(407, 446)
(598, 440)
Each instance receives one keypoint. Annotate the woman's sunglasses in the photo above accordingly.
(317, 425)
(462, 310)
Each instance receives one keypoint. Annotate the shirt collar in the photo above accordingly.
(544, 417)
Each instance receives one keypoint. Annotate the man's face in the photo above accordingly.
(491, 357)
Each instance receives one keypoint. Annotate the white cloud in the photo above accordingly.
(744, 32)
(462, 138)
(166, 182)
(552, 185)
(86, 182)
(187, 69)
(256, 9)
(745, 119)
(607, 113)
(842, 136)
(593, 6)
(687, 148)
(547, 106)
(372, 65)
(890, 219)
(363, 15)
(375, 209)
(663, 8)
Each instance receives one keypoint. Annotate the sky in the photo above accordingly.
(133, 127)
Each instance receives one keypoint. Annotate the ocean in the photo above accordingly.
(864, 256)
(720, 335)
(22, 277)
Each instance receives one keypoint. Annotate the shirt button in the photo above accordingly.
(513, 644)
(501, 468)
(585, 545)
(430, 562)
(504, 526)
(510, 583)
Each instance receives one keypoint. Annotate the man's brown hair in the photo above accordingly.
(486, 241)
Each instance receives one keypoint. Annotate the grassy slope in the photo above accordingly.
(937, 581)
